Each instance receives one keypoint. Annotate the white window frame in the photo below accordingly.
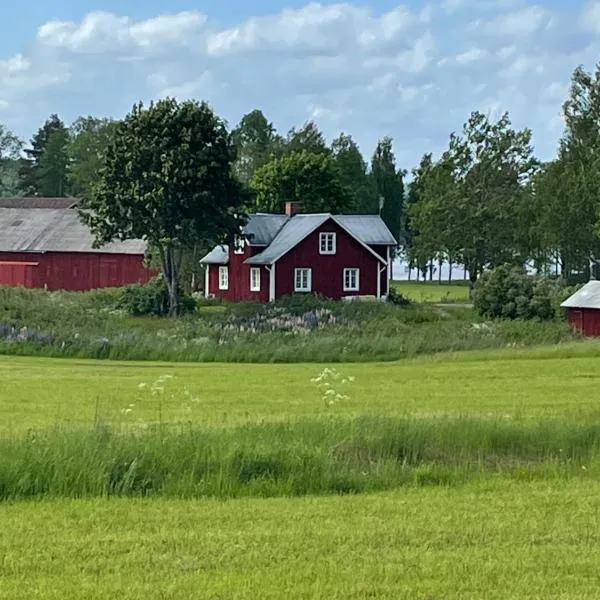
(308, 286)
(255, 279)
(224, 278)
(324, 246)
(356, 286)
(239, 245)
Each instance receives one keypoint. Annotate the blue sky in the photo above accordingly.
(413, 70)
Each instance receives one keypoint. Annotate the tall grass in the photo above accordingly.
(326, 456)
(87, 325)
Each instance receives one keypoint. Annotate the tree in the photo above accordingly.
(257, 142)
(308, 137)
(353, 174)
(476, 197)
(388, 184)
(10, 149)
(54, 164)
(88, 145)
(305, 177)
(168, 178)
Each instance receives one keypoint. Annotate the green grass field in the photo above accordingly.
(526, 528)
(432, 291)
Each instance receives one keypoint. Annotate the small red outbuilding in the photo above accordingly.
(53, 248)
(583, 309)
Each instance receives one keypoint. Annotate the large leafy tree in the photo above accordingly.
(307, 137)
(53, 177)
(353, 173)
(168, 178)
(388, 184)
(309, 178)
(475, 201)
(10, 149)
(257, 142)
(90, 138)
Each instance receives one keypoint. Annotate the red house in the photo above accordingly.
(52, 248)
(336, 256)
(583, 309)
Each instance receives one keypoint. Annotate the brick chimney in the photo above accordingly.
(293, 208)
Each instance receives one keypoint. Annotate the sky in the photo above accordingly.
(413, 71)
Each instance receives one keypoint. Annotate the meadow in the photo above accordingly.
(434, 292)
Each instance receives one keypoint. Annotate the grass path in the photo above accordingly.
(499, 541)
(37, 393)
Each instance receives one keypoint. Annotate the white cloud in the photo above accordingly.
(414, 74)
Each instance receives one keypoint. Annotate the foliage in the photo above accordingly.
(151, 299)
(508, 292)
(167, 178)
(88, 145)
(46, 173)
(388, 184)
(307, 138)
(10, 149)
(306, 177)
(256, 141)
(396, 297)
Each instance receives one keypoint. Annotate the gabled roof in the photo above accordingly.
(38, 202)
(586, 297)
(219, 255)
(262, 228)
(280, 233)
(54, 230)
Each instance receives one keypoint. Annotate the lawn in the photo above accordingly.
(497, 540)
(433, 291)
(39, 393)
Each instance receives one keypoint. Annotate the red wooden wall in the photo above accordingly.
(328, 270)
(585, 320)
(71, 270)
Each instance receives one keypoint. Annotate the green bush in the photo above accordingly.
(151, 299)
(509, 292)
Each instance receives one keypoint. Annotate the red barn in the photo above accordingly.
(337, 256)
(583, 309)
(52, 248)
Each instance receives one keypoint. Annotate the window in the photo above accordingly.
(302, 280)
(351, 283)
(223, 278)
(238, 245)
(327, 243)
(255, 279)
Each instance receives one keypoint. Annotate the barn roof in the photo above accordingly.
(54, 230)
(38, 202)
(586, 297)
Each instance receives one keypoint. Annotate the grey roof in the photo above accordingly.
(280, 233)
(292, 233)
(586, 297)
(38, 202)
(262, 228)
(219, 255)
(370, 229)
(54, 230)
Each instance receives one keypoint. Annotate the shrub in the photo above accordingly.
(397, 298)
(151, 299)
(508, 292)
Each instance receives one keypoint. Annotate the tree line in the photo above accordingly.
(176, 174)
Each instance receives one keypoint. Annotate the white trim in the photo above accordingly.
(324, 237)
(378, 281)
(271, 270)
(308, 287)
(206, 280)
(255, 270)
(356, 288)
(389, 272)
(223, 281)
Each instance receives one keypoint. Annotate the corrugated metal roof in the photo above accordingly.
(292, 233)
(370, 229)
(38, 202)
(219, 255)
(54, 230)
(586, 297)
(262, 228)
